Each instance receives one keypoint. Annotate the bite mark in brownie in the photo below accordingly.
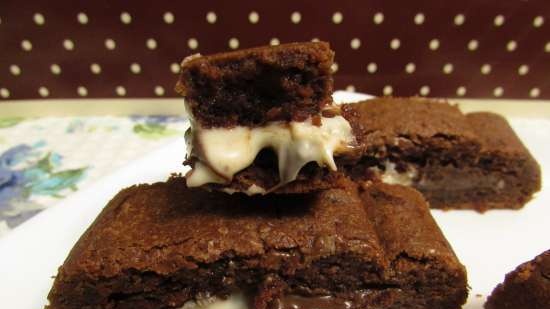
(527, 287)
(252, 87)
(165, 245)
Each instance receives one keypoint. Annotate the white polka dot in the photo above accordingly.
(459, 19)
(151, 43)
(424, 90)
(39, 19)
(95, 68)
(498, 91)
(448, 68)
(55, 69)
(511, 46)
(15, 69)
(253, 17)
(4, 93)
(473, 45)
(26, 45)
(295, 17)
(175, 68)
(395, 43)
(547, 47)
(388, 90)
(334, 67)
(125, 18)
(461, 91)
(193, 43)
(410, 68)
(378, 18)
(372, 67)
(211, 17)
(274, 42)
(419, 18)
(485, 69)
(337, 17)
(82, 91)
(68, 44)
(538, 21)
(434, 44)
(82, 18)
(315, 40)
(355, 43)
(523, 69)
(350, 88)
(43, 92)
(120, 91)
(159, 91)
(168, 17)
(534, 92)
(499, 20)
(110, 44)
(135, 68)
(233, 43)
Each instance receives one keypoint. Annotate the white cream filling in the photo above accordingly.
(391, 176)
(234, 301)
(230, 150)
(252, 190)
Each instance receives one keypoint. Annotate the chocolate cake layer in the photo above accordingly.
(472, 161)
(527, 287)
(251, 87)
(165, 246)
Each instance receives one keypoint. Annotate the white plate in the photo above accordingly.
(489, 245)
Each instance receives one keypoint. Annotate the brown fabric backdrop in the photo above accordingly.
(108, 48)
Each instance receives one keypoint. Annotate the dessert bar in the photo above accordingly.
(527, 287)
(167, 246)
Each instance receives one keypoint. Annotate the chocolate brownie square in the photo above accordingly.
(527, 287)
(459, 161)
(166, 246)
(252, 87)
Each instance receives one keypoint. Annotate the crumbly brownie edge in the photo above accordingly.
(526, 287)
(256, 86)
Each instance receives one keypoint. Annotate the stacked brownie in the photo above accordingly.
(293, 202)
(264, 102)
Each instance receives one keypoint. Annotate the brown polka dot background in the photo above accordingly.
(471, 48)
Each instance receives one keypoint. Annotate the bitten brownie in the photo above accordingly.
(251, 87)
(464, 161)
(527, 287)
(164, 245)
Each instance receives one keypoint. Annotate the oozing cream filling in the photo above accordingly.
(252, 190)
(226, 151)
(234, 301)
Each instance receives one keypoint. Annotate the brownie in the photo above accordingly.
(251, 87)
(527, 287)
(459, 161)
(165, 245)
